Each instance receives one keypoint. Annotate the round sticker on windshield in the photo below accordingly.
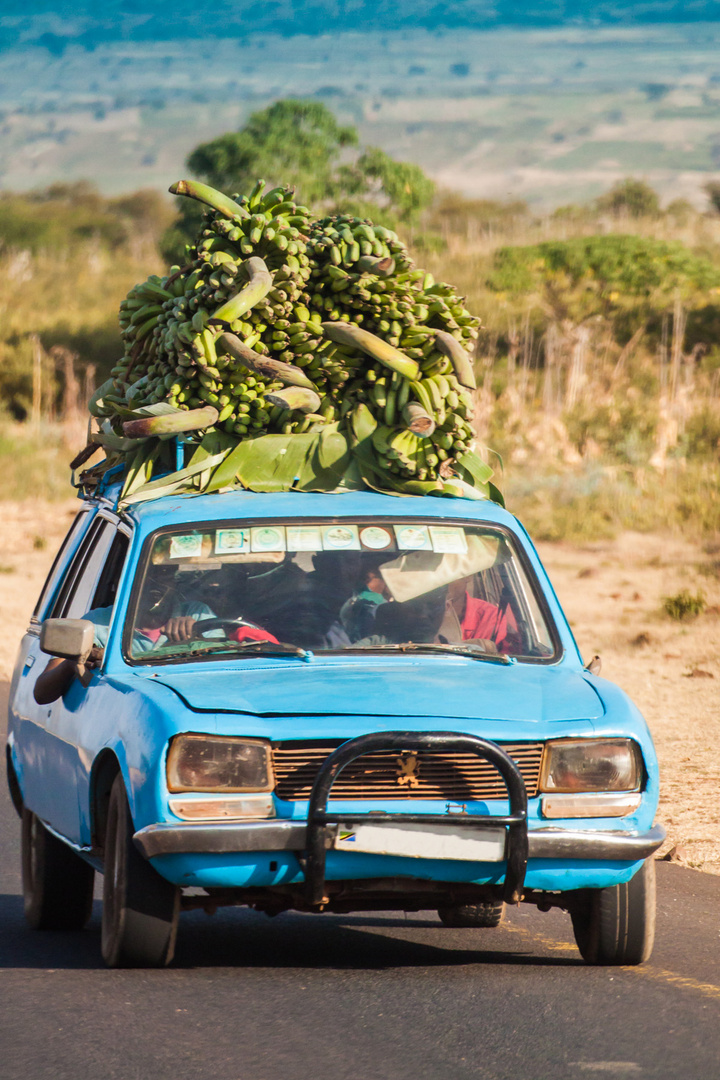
(340, 537)
(376, 538)
(267, 538)
(413, 537)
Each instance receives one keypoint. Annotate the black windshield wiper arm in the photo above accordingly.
(467, 649)
(264, 648)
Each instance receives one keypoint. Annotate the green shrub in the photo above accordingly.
(684, 605)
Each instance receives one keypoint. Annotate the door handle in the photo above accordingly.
(28, 663)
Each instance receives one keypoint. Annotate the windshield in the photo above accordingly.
(290, 589)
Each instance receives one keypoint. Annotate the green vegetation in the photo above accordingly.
(301, 142)
(598, 363)
(684, 605)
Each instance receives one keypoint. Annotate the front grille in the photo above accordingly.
(392, 775)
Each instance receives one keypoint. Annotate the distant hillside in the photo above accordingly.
(56, 25)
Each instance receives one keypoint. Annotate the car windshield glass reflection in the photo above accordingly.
(328, 587)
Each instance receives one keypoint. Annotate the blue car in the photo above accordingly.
(320, 702)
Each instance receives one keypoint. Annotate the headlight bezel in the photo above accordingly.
(578, 787)
(177, 784)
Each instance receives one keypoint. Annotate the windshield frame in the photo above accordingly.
(517, 548)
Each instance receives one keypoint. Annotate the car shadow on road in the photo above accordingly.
(246, 939)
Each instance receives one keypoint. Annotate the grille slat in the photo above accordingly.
(462, 777)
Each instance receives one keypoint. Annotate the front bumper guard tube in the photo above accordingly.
(516, 850)
(288, 834)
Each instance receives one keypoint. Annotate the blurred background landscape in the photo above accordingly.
(563, 164)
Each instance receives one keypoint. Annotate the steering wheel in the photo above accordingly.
(202, 626)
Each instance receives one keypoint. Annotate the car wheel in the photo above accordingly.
(140, 908)
(57, 883)
(617, 925)
(488, 914)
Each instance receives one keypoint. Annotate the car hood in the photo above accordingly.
(407, 687)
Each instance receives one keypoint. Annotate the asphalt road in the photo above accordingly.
(381, 997)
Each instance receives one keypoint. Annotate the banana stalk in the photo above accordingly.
(211, 197)
(450, 347)
(296, 399)
(349, 334)
(288, 374)
(259, 286)
(171, 423)
(417, 420)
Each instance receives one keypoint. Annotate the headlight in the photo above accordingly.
(591, 765)
(213, 763)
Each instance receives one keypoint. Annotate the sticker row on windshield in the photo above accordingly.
(443, 539)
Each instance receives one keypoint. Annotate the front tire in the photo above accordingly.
(488, 914)
(140, 908)
(616, 925)
(57, 883)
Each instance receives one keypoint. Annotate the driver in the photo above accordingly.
(162, 616)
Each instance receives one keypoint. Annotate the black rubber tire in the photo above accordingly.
(486, 915)
(617, 924)
(57, 883)
(140, 908)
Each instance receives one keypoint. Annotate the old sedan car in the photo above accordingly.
(331, 702)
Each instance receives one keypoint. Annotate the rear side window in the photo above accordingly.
(82, 578)
(53, 577)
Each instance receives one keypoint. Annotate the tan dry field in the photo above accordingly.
(612, 593)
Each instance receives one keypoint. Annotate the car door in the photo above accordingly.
(73, 721)
(26, 717)
(49, 746)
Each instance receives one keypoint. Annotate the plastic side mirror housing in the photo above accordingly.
(71, 639)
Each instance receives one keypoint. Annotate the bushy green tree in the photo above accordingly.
(595, 275)
(301, 143)
(291, 141)
(631, 197)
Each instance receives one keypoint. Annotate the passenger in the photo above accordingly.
(357, 615)
(418, 620)
(479, 620)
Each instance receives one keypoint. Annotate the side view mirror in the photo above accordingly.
(71, 639)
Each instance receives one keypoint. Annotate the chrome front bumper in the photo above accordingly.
(213, 838)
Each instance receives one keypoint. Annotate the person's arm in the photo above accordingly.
(58, 676)
(52, 683)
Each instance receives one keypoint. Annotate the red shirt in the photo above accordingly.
(485, 620)
(250, 633)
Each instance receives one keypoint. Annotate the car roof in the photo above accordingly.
(181, 509)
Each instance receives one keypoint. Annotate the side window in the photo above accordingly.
(53, 577)
(107, 587)
(82, 578)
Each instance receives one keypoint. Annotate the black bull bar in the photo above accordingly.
(516, 850)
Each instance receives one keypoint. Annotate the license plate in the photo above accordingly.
(423, 841)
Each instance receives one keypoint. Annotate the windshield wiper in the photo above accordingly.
(475, 652)
(261, 648)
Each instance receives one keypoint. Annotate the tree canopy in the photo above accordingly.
(301, 143)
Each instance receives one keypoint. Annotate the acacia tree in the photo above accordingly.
(301, 143)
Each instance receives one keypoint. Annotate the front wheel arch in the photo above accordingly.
(105, 768)
(13, 783)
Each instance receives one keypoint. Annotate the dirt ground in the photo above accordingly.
(612, 593)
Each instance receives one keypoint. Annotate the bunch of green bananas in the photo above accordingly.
(282, 323)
